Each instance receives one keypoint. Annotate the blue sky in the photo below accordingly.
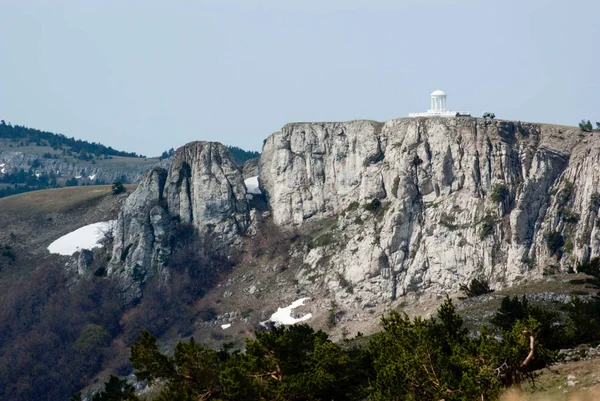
(147, 75)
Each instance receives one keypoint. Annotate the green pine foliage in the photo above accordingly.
(500, 193)
(435, 359)
(411, 359)
(586, 125)
(294, 363)
(118, 187)
(116, 390)
(476, 287)
(241, 156)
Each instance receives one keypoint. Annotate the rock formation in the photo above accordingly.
(203, 190)
(426, 204)
(410, 206)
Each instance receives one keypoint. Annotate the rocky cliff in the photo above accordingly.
(202, 191)
(425, 204)
(383, 210)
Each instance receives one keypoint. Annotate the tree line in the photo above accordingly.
(410, 359)
(58, 141)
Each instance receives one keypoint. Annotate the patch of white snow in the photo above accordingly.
(38, 175)
(252, 185)
(92, 177)
(226, 326)
(2, 164)
(78, 177)
(86, 237)
(284, 315)
(3, 170)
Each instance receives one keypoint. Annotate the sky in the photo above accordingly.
(146, 76)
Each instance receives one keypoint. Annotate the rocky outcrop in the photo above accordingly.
(104, 171)
(250, 168)
(425, 204)
(203, 191)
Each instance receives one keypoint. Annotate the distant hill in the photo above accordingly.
(71, 146)
(32, 159)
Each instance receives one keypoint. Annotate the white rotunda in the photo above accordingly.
(438, 107)
(438, 101)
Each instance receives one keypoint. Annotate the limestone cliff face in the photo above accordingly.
(203, 189)
(426, 204)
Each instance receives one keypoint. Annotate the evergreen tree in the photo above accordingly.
(115, 389)
(118, 187)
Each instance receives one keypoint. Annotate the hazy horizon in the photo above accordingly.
(145, 76)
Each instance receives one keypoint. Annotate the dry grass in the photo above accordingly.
(580, 395)
(54, 200)
(29, 222)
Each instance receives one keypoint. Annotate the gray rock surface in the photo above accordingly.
(203, 190)
(250, 168)
(459, 198)
(84, 261)
(105, 171)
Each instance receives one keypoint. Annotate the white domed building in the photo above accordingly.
(438, 107)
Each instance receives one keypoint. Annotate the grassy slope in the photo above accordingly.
(37, 218)
(31, 221)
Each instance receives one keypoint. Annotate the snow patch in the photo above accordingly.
(226, 326)
(252, 186)
(86, 237)
(78, 177)
(2, 164)
(38, 175)
(284, 315)
(92, 177)
(3, 170)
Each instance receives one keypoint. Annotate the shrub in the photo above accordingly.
(352, 206)
(555, 242)
(116, 389)
(568, 216)
(586, 126)
(476, 287)
(500, 193)
(487, 226)
(374, 205)
(592, 267)
(9, 253)
(584, 319)
(594, 201)
(118, 187)
(448, 222)
(92, 336)
(564, 196)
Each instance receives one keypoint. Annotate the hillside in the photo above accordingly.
(31, 159)
(358, 217)
(31, 221)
